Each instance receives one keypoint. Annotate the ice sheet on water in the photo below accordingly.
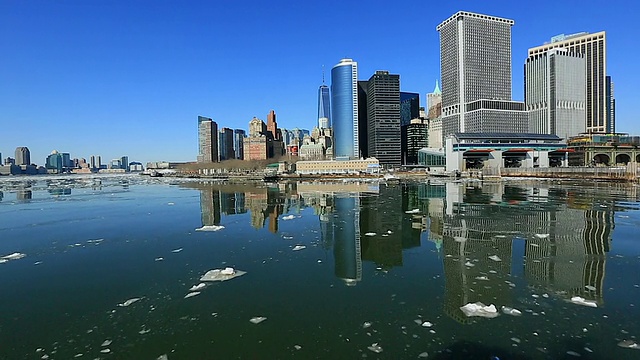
(542, 236)
(629, 344)
(511, 311)
(299, 247)
(582, 301)
(222, 274)
(288, 217)
(370, 234)
(375, 348)
(210, 228)
(495, 258)
(106, 343)
(129, 302)
(176, 250)
(366, 324)
(162, 357)
(257, 319)
(479, 309)
(414, 211)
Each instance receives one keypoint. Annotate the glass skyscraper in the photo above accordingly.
(324, 109)
(344, 108)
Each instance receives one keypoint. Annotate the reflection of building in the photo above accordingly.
(210, 206)
(346, 231)
(23, 195)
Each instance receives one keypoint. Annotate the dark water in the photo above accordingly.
(93, 243)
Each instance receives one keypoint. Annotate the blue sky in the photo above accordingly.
(115, 78)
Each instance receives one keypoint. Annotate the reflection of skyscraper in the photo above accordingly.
(210, 206)
(24, 195)
(346, 229)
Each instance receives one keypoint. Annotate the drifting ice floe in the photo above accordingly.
(14, 256)
(582, 301)
(370, 234)
(479, 309)
(210, 228)
(106, 343)
(198, 287)
(511, 311)
(375, 348)
(192, 294)
(129, 302)
(288, 217)
(257, 319)
(299, 247)
(495, 258)
(222, 274)
(414, 211)
(542, 236)
(629, 344)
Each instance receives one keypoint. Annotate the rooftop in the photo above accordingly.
(506, 136)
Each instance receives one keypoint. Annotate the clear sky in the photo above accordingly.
(115, 78)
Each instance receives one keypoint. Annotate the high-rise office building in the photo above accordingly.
(593, 47)
(23, 156)
(475, 65)
(124, 163)
(383, 113)
(434, 98)
(611, 111)
(409, 107)
(415, 136)
(344, 109)
(324, 106)
(555, 93)
(225, 144)
(238, 143)
(363, 121)
(207, 140)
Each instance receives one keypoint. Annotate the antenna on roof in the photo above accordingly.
(322, 74)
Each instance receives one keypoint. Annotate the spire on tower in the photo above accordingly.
(322, 74)
(437, 89)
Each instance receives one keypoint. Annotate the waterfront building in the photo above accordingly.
(344, 109)
(99, 162)
(135, 166)
(434, 131)
(53, 163)
(603, 149)
(363, 120)
(611, 101)
(555, 92)
(328, 167)
(23, 156)
(594, 49)
(257, 144)
(238, 143)
(276, 144)
(225, 144)
(124, 163)
(415, 136)
(409, 107)
(383, 116)
(9, 161)
(475, 65)
(207, 140)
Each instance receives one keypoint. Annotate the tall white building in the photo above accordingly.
(594, 49)
(556, 93)
(475, 66)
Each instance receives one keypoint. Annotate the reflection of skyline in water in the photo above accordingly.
(466, 225)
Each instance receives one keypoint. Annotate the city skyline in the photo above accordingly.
(101, 66)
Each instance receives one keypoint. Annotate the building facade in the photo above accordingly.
(344, 108)
(383, 113)
(207, 140)
(475, 65)
(555, 93)
(409, 107)
(256, 144)
(23, 156)
(324, 106)
(594, 49)
(238, 143)
(416, 136)
(225, 144)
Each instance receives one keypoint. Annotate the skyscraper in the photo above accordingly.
(555, 93)
(433, 99)
(324, 105)
(611, 111)
(225, 144)
(344, 109)
(238, 143)
(593, 47)
(475, 65)
(207, 140)
(23, 156)
(409, 107)
(383, 113)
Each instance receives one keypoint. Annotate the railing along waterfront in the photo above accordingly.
(629, 173)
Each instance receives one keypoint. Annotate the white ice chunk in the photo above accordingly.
(170, 203)
(469, 264)
(105, 351)
(162, 357)
(479, 309)
(424, 355)
(159, 259)
(176, 250)
(629, 344)
(375, 348)
(370, 234)
(573, 353)
(484, 278)
(14, 256)
(542, 236)
(299, 247)
(198, 287)
(297, 347)
(589, 287)
(366, 325)
(192, 294)
(495, 258)
(288, 217)
(129, 302)
(582, 301)
(511, 311)
(210, 228)
(221, 274)
(257, 319)
(427, 324)
(106, 343)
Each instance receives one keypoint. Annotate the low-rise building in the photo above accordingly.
(603, 149)
(369, 166)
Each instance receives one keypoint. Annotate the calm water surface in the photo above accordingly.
(384, 271)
